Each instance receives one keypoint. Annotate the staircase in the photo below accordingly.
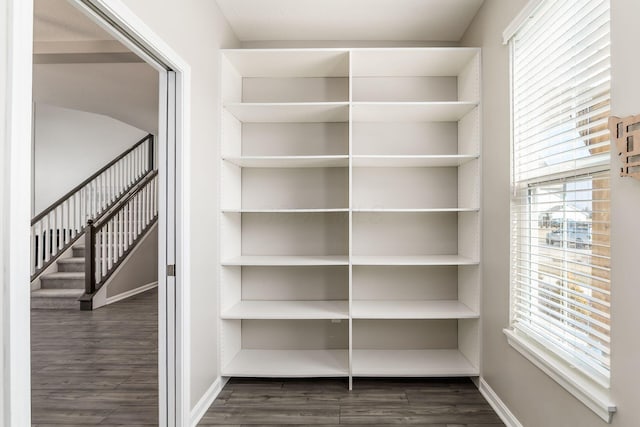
(62, 290)
(107, 214)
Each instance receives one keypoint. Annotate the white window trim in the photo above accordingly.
(592, 394)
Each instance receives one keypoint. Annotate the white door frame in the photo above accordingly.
(173, 144)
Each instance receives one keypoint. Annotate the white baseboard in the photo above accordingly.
(130, 293)
(206, 400)
(498, 405)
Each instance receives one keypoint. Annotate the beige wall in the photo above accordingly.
(196, 29)
(141, 267)
(535, 399)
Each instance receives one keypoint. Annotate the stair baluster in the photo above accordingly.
(137, 212)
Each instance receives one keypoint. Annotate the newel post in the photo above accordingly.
(89, 258)
(151, 152)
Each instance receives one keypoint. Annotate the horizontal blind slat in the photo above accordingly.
(564, 290)
(564, 114)
(560, 34)
(550, 322)
(561, 314)
(564, 55)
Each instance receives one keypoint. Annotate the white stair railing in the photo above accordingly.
(57, 227)
(110, 239)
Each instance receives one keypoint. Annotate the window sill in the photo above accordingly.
(593, 395)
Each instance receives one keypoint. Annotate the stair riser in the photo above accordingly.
(47, 283)
(78, 252)
(69, 267)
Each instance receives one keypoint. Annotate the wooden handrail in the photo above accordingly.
(108, 214)
(117, 243)
(78, 187)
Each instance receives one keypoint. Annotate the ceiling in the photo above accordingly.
(392, 20)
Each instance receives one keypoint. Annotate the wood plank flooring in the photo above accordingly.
(372, 402)
(96, 367)
(100, 368)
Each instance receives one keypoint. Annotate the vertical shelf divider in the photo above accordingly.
(351, 207)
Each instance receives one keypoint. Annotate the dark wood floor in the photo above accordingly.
(96, 367)
(100, 368)
(373, 402)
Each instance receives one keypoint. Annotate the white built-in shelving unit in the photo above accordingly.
(350, 212)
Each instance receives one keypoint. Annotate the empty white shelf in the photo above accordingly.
(369, 309)
(413, 260)
(289, 161)
(409, 210)
(286, 260)
(412, 161)
(319, 210)
(411, 111)
(411, 363)
(288, 310)
(289, 363)
(290, 112)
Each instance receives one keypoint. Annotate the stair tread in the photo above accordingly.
(73, 260)
(57, 293)
(64, 275)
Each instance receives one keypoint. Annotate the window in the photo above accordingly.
(560, 275)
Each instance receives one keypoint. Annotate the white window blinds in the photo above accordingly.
(560, 209)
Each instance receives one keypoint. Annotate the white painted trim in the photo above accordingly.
(162, 251)
(15, 212)
(137, 29)
(206, 400)
(130, 293)
(498, 405)
(593, 395)
(519, 20)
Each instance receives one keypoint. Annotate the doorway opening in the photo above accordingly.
(171, 141)
(94, 232)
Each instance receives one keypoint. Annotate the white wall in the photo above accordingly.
(124, 91)
(535, 399)
(70, 145)
(196, 30)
